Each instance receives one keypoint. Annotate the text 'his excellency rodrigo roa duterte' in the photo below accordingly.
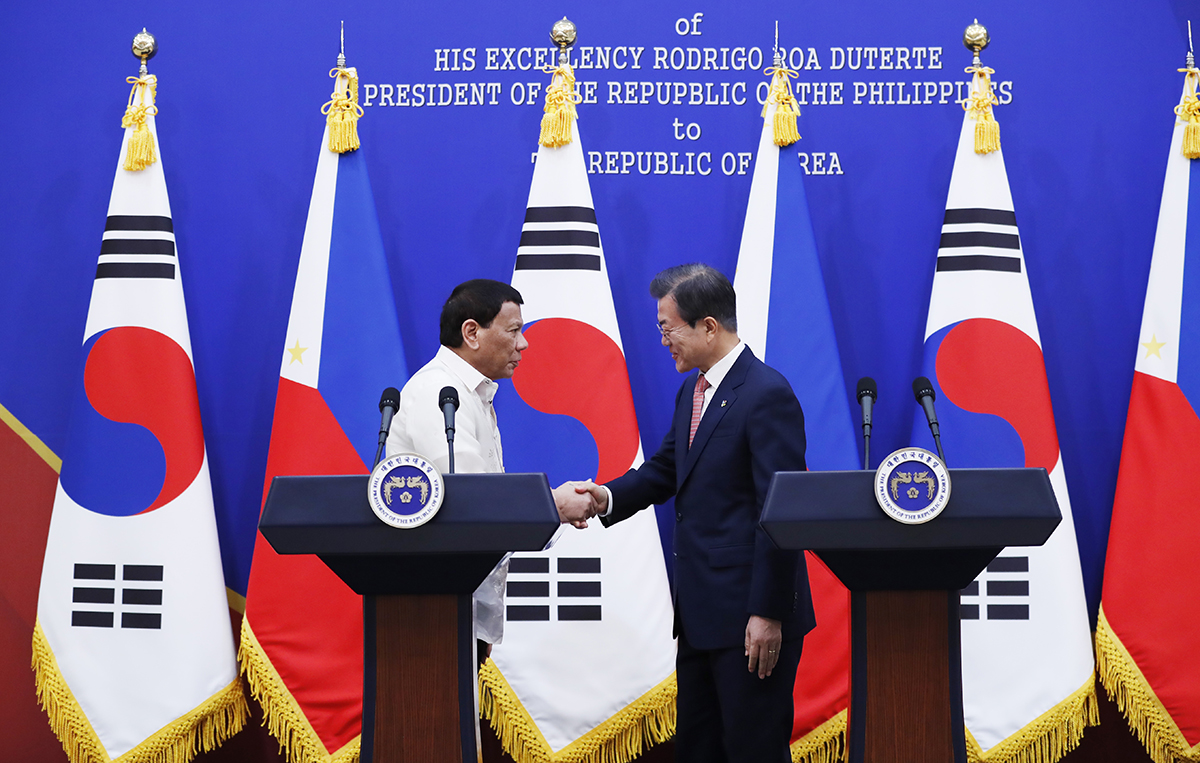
(691, 79)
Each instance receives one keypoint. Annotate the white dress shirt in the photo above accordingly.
(717, 373)
(419, 427)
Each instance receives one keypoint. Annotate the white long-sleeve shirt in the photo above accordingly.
(419, 427)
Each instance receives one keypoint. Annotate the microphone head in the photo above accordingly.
(448, 396)
(922, 387)
(866, 388)
(390, 399)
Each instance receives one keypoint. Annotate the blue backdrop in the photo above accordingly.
(1088, 89)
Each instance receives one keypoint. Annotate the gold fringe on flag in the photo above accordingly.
(1047, 738)
(342, 110)
(281, 713)
(202, 729)
(1154, 726)
(824, 744)
(560, 107)
(1189, 113)
(643, 723)
(140, 153)
(785, 115)
(979, 105)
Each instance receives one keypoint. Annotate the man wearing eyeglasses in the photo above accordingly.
(742, 606)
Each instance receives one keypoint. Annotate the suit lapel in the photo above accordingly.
(724, 397)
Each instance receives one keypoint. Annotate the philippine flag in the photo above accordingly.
(1146, 641)
(302, 637)
(573, 418)
(1028, 678)
(132, 647)
(778, 258)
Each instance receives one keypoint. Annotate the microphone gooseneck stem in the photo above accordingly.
(378, 455)
(867, 446)
(450, 443)
(937, 440)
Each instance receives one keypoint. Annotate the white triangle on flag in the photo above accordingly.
(630, 653)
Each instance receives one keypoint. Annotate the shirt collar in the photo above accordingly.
(470, 376)
(716, 374)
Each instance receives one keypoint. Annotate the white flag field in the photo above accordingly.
(586, 668)
(133, 652)
(1028, 675)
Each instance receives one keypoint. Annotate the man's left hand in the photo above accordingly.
(764, 637)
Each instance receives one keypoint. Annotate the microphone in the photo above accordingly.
(923, 391)
(867, 394)
(389, 403)
(448, 402)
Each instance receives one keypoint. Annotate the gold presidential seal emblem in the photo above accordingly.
(405, 490)
(912, 486)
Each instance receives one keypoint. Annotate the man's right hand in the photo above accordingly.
(575, 503)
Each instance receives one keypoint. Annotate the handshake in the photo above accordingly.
(577, 502)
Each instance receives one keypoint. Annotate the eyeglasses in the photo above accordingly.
(667, 332)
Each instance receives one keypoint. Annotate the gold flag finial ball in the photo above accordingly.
(562, 33)
(976, 37)
(144, 45)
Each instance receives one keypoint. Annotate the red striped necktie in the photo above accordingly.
(697, 406)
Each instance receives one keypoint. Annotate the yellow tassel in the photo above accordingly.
(342, 111)
(560, 107)
(140, 153)
(1191, 139)
(987, 136)
(202, 729)
(824, 744)
(784, 126)
(1048, 737)
(1189, 112)
(1147, 716)
(979, 105)
(647, 721)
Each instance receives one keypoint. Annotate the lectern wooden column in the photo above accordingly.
(904, 581)
(419, 680)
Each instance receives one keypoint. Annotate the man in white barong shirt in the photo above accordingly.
(481, 341)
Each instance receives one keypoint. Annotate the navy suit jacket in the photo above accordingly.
(726, 568)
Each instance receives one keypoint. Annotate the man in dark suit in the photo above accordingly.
(742, 606)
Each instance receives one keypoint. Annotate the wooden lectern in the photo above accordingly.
(904, 581)
(420, 690)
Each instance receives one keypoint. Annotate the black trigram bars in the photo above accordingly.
(139, 253)
(136, 591)
(529, 594)
(1006, 599)
(559, 238)
(979, 239)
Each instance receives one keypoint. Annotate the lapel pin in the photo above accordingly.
(722, 403)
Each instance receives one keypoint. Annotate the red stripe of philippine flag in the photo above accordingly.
(302, 637)
(1147, 640)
